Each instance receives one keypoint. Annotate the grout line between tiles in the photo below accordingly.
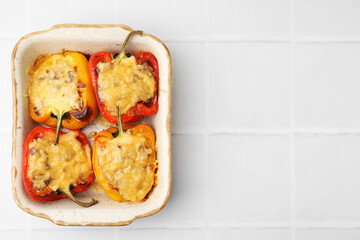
(292, 170)
(248, 39)
(292, 122)
(327, 132)
(328, 226)
(150, 227)
(248, 132)
(294, 132)
(249, 226)
(206, 135)
(117, 228)
(185, 39)
(304, 40)
(277, 132)
(326, 39)
(206, 146)
(191, 226)
(188, 132)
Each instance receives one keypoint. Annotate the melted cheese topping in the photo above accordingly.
(103, 122)
(96, 187)
(58, 166)
(124, 83)
(127, 164)
(53, 86)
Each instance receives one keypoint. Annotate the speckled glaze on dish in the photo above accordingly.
(89, 39)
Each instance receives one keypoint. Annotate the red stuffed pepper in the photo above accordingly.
(130, 82)
(52, 172)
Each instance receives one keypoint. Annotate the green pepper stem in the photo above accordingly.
(118, 114)
(122, 51)
(58, 126)
(83, 204)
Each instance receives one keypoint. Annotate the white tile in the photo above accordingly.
(14, 234)
(11, 215)
(327, 83)
(249, 179)
(6, 47)
(39, 223)
(327, 185)
(95, 233)
(327, 18)
(73, 233)
(13, 18)
(248, 18)
(44, 15)
(328, 234)
(188, 77)
(161, 234)
(165, 19)
(249, 85)
(250, 234)
(186, 203)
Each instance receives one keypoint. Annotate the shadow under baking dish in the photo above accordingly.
(89, 39)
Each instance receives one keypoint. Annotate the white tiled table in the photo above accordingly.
(266, 116)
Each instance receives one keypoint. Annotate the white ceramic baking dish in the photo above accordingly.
(89, 39)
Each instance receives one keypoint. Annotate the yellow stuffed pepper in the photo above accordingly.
(124, 162)
(60, 89)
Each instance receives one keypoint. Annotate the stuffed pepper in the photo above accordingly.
(124, 161)
(128, 81)
(52, 172)
(60, 89)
